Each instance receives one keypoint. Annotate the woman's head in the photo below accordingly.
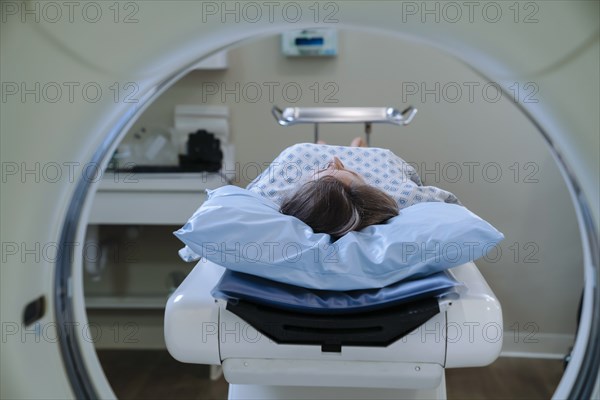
(336, 201)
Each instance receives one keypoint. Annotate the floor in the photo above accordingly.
(507, 378)
(154, 374)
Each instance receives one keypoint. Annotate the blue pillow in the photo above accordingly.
(235, 286)
(245, 232)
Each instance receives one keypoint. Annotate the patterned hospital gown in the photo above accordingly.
(379, 167)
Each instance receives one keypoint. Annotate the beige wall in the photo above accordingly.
(538, 277)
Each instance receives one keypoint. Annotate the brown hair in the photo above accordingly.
(329, 206)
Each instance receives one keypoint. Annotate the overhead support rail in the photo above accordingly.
(332, 115)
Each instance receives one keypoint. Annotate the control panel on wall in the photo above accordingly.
(319, 42)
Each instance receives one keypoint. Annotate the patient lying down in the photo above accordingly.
(335, 199)
(421, 240)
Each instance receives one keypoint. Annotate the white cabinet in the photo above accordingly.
(151, 199)
(128, 279)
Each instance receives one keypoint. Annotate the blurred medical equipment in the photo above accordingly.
(199, 142)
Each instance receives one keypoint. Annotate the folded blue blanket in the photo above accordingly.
(240, 286)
